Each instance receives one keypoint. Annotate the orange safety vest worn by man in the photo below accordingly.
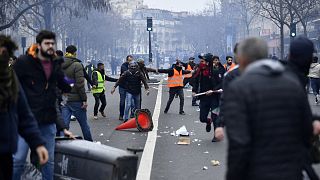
(175, 84)
(229, 65)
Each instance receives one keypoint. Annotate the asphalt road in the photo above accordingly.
(170, 161)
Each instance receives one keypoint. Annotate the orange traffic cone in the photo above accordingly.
(142, 121)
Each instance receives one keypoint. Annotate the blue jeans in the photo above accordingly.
(48, 132)
(75, 108)
(315, 85)
(131, 99)
(122, 92)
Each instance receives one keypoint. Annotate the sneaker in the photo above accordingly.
(95, 117)
(165, 111)
(208, 126)
(102, 114)
(120, 118)
(73, 118)
(182, 113)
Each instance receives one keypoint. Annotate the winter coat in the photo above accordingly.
(314, 71)
(212, 82)
(268, 124)
(132, 81)
(40, 91)
(74, 70)
(19, 119)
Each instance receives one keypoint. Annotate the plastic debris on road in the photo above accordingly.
(206, 152)
(172, 134)
(184, 140)
(101, 134)
(215, 163)
(205, 168)
(182, 131)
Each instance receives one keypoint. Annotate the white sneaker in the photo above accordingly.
(95, 117)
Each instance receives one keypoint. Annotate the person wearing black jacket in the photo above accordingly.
(122, 87)
(39, 75)
(99, 94)
(15, 114)
(268, 119)
(175, 84)
(133, 79)
(209, 78)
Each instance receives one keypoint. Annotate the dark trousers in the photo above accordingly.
(99, 97)
(123, 94)
(207, 104)
(172, 93)
(315, 85)
(114, 70)
(6, 166)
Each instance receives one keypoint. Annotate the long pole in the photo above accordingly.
(150, 53)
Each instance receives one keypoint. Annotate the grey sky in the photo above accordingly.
(178, 5)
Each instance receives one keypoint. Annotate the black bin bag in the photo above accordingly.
(80, 159)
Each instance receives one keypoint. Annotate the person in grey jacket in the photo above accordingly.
(268, 127)
(77, 99)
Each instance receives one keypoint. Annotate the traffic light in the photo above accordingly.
(149, 23)
(293, 30)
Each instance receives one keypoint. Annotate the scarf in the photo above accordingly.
(69, 55)
(204, 70)
(8, 84)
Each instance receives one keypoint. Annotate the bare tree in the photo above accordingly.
(277, 12)
(248, 10)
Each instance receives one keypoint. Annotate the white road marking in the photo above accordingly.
(144, 171)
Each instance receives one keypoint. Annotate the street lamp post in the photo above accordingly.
(149, 29)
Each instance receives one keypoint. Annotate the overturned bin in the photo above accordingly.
(80, 159)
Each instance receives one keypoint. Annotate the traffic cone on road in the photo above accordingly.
(142, 121)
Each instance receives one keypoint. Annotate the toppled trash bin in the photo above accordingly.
(80, 159)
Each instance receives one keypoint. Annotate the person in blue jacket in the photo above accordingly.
(15, 114)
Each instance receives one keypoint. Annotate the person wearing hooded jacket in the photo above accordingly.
(132, 79)
(77, 99)
(15, 114)
(208, 79)
(268, 127)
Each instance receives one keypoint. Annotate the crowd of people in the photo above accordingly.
(263, 103)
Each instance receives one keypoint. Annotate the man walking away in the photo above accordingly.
(268, 127)
(77, 99)
(314, 75)
(98, 90)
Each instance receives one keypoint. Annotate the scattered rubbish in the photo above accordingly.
(133, 133)
(158, 136)
(184, 140)
(205, 168)
(170, 161)
(206, 152)
(215, 163)
(182, 131)
(198, 110)
(98, 142)
(167, 127)
(199, 144)
(195, 140)
(108, 140)
(172, 134)
(101, 134)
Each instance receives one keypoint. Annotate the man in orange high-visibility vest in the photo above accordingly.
(175, 84)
